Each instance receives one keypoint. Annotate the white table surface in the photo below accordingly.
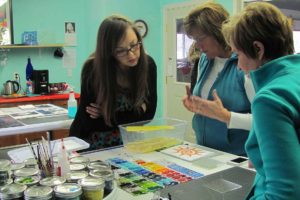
(37, 124)
(220, 157)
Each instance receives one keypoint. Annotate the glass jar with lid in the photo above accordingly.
(16, 166)
(12, 191)
(38, 192)
(52, 181)
(5, 167)
(108, 177)
(8, 181)
(93, 188)
(68, 191)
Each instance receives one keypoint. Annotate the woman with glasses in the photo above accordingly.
(219, 100)
(118, 85)
(262, 37)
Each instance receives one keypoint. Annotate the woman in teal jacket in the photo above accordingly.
(263, 39)
(219, 101)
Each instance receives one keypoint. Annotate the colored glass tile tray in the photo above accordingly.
(141, 171)
(133, 183)
(171, 170)
(181, 169)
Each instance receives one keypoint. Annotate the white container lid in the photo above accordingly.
(26, 172)
(12, 191)
(53, 181)
(80, 159)
(76, 175)
(68, 190)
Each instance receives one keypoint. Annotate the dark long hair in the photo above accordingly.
(103, 76)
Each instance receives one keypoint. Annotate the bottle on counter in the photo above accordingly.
(29, 70)
(72, 104)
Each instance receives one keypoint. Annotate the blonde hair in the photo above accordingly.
(208, 18)
(263, 22)
(194, 53)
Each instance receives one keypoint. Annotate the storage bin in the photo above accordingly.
(151, 135)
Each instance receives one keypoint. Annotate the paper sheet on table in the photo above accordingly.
(71, 144)
(148, 128)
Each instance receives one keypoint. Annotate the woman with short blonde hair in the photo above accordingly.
(262, 37)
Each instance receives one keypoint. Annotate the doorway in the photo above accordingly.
(177, 66)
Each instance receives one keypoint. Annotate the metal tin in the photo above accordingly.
(99, 165)
(38, 192)
(108, 176)
(93, 188)
(29, 181)
(73, 177)
(77, 166)
(68, 191)
(80, 159)
(12, 191)
(26, 172)
(52, 181)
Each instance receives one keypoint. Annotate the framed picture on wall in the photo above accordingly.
(6, 28)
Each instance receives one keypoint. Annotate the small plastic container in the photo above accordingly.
(80, 159)
(52, 181)
(26, 172)
(28, 181)
(75, 176)
(68, 191)
(77, 166)
(151, 135)
(98, 165)
(38, 193)
(93, 188)
(12, 191)
(108, 177)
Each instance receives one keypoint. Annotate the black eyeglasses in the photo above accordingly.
(121, 52)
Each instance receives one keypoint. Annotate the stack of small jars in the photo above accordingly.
(89, 180)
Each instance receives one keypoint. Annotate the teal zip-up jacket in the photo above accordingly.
(230, 88)
(273, 143)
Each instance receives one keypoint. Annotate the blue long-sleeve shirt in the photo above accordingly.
(273, 144)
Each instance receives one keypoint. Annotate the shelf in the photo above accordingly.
(30, 46)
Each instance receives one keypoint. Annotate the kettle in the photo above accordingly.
(11, 87)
